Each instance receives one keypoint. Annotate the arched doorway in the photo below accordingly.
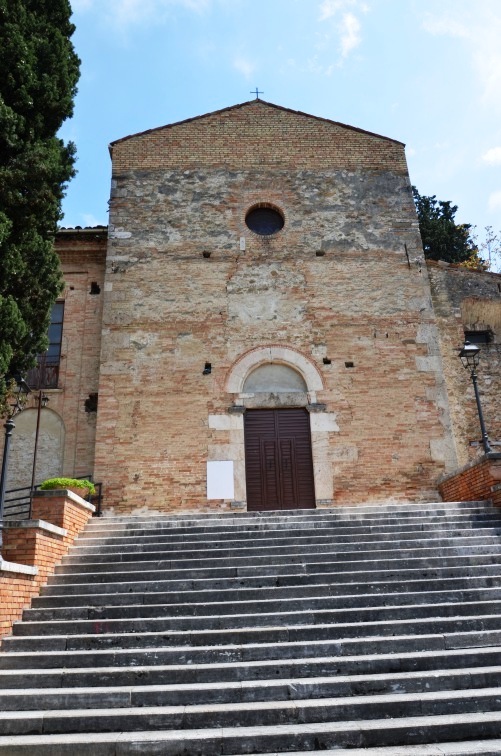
(50, 447)
(278, 454)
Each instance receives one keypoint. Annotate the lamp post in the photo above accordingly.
(470, 357)
(21, 389)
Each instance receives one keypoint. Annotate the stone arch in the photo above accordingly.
(322, 422)
(284, 355)
(276, 377)
(50, 455)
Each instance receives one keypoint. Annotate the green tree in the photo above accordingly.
(39, 71)
(443, 238)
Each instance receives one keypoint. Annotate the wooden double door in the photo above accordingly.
(278, 459)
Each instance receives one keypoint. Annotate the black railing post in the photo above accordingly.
(35, 451)
(485, 437)
(9, 427)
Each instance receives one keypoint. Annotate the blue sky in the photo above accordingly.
(425, 72)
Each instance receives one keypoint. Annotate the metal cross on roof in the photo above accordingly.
(257, 93)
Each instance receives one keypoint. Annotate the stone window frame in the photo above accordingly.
(271, 206)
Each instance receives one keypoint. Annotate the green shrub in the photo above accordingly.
(57, 483)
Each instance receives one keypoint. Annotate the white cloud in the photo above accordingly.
(492, 156)
(343, 18)
(494, 202)
(350, 33)
(244, 66)
(480, 31)
(329, 8)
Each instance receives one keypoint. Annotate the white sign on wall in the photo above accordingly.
(220, 483)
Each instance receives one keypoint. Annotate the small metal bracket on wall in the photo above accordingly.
(236, 409)
(407, 256)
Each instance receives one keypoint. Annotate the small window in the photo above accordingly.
(264, 220)
(46, 372)
(478, 337)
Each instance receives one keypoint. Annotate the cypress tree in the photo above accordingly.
(39, 71)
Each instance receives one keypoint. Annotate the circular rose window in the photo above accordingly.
(264, 220)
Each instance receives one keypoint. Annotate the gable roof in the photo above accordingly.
(245, 105)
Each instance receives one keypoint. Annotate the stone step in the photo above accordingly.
(155, 632)
(267, 530)
(303, 585)
(249, 633)
(324, 536)
(133, 673)
(130, 560)
(253, 547)
(229, 519)
(470, 748)
(298, 575)
(252, 525)
(253, 714)
(276, 603)
(204, 616)
(285, 565)
(280, 738)
(123, 650)
(152, 634)
(260, 597)
(320, 553)
(128, 520)
(285, 689)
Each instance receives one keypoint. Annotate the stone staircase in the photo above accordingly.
(373, 630)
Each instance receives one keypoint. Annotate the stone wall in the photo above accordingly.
(342, 288)
(469, 300)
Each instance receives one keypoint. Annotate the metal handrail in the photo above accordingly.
(19, 506)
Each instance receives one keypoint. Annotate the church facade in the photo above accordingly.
(258, 329)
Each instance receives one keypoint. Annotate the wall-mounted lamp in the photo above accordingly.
(470, 357)
(207, 369)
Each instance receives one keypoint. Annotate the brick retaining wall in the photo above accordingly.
(481, 479)
(32, 548)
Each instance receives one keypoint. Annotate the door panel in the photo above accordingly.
(279, 466)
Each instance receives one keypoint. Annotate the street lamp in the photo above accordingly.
(20, 391)
(470, 357)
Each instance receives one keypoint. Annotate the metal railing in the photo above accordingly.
(44, 375)
(17, 504)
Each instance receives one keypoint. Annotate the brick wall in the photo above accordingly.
(343, 281)
(479, 480)
(264, 132)
(67, 430)
(38, 543)
(16, 590)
